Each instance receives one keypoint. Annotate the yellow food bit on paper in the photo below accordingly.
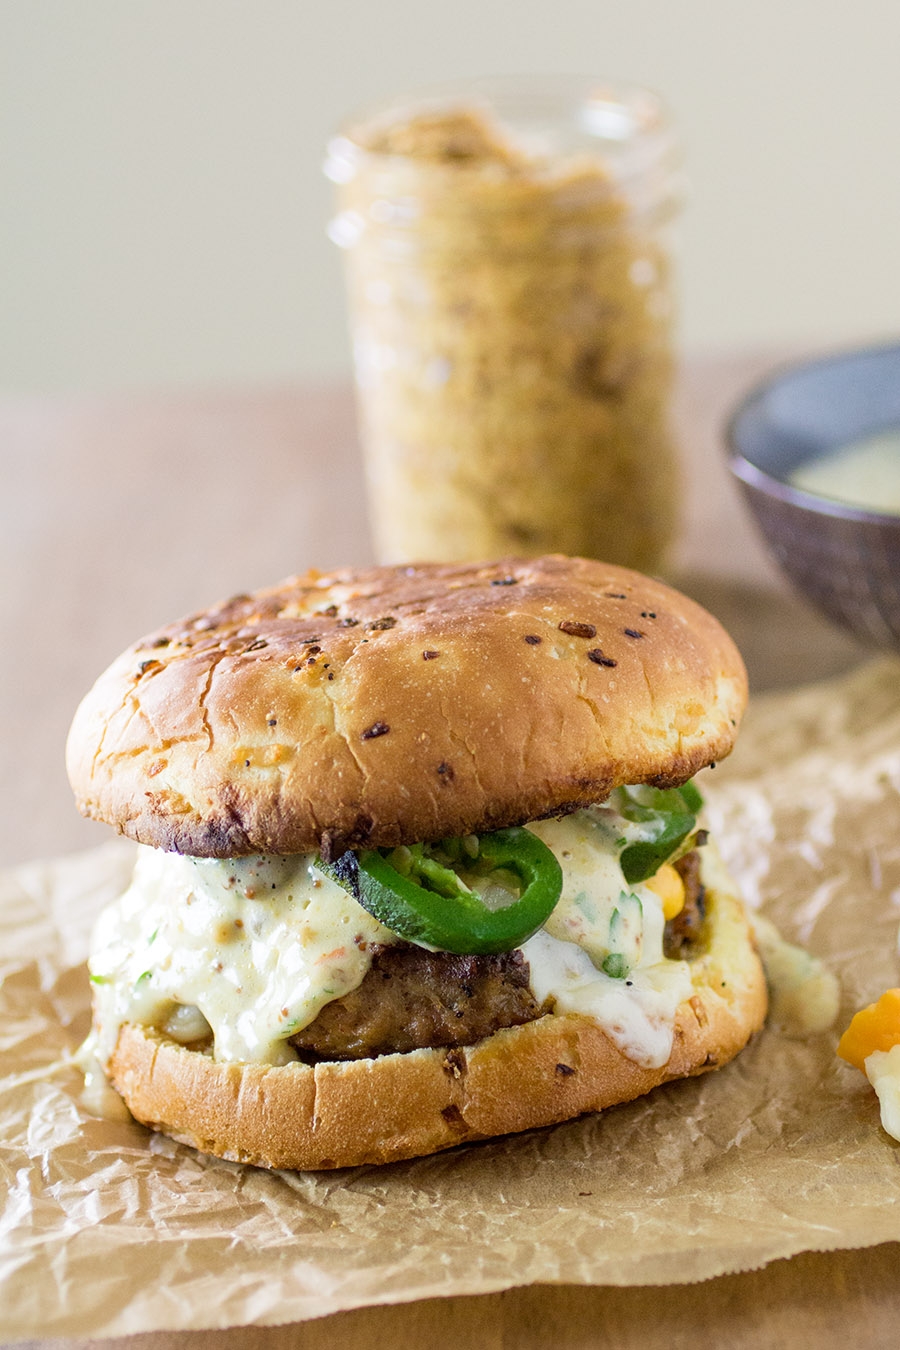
(876, 1027)
(667, 884)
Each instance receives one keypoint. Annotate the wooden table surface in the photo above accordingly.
(119, 514)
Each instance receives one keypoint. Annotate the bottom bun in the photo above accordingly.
(342, 1114)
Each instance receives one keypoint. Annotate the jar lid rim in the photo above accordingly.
(628, 125)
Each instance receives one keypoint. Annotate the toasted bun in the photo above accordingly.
(387, 706)
(402, 1106)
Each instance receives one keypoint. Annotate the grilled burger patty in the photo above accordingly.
(411, 998)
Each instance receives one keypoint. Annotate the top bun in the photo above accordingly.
(397, 704)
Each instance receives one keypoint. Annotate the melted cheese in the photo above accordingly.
(248, 951)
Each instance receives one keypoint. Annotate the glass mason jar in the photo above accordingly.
(509, 278)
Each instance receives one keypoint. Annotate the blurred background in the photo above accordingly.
(163, 209)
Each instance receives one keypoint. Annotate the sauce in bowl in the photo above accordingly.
(864, 473)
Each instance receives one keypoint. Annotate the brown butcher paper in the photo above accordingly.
(107, 1229)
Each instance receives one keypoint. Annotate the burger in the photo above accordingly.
(421, 861)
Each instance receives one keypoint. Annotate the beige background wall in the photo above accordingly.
(162, 209)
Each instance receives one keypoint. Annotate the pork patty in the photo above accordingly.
(412, 998)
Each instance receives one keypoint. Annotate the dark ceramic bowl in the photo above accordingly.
(844, 558)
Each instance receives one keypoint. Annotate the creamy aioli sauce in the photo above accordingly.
(248, 948)
(97, 1096)
(863, 473)
(247, 951)
(637, 1012)
(804, 996)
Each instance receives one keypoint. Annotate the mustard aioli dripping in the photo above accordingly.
(233, 956)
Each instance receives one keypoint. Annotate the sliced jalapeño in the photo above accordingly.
(472, 897)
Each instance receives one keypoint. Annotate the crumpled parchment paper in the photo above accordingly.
(106, 1229)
